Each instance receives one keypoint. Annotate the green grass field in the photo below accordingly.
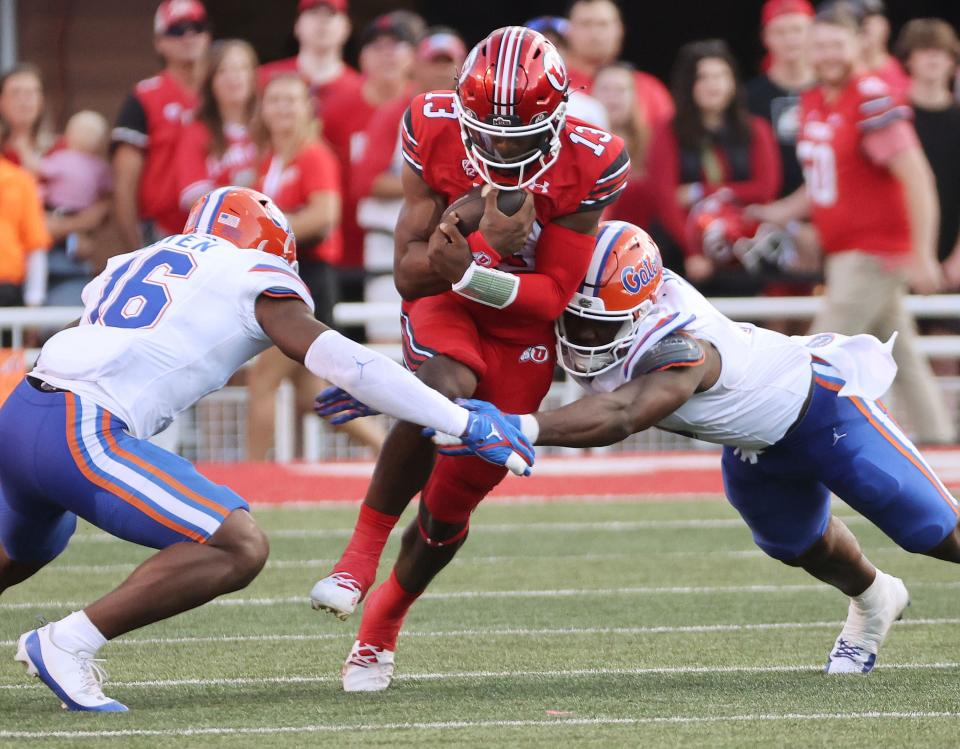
(628, 624)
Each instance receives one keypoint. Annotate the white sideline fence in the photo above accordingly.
(214, 430)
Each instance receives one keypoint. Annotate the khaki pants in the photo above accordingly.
(862, 296)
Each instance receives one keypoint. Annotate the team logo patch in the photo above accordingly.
(818, 341)
(635, 278)
(536, 354)
(229, 219)
(555, 70)
(468, 168)
(483, 259)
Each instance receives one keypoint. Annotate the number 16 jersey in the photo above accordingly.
(165, 325)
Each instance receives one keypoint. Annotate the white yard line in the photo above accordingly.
(457, 675)
(466, 724)
(516, 527)
(345, 634)
(547, 593)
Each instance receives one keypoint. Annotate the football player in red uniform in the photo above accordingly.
(479, 310)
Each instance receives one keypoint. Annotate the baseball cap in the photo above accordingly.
(441, 44)
(389, 24)
(337, 6)
(172, 12)
(549, 24)
(773, 9)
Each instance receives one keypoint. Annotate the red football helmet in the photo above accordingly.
(513, 84)
(719, 227)
(621, 285)
(246, 218)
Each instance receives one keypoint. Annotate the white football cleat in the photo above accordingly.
(855, 650)
(75, 677)
(368, 669)
(338, 593)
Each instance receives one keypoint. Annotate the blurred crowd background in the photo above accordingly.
(113, 121)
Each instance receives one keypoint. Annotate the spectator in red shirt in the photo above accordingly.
(377, 186)
(875, 36)
(302, 176)
(322, 29)
(713, 143)
(216, 148)
(151, 122)
(24, 136)
(386, 61)
(595, 37)
(613, 87)
(872, 198)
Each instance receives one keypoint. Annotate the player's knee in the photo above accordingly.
(441, 533)
(448, 377)
(247, 546)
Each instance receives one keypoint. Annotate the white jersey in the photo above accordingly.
(764, 377)
(165, 325)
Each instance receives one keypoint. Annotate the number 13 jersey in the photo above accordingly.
(165, 325)
(592, 169)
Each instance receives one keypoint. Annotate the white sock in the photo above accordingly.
(76, 633)
(873, 595)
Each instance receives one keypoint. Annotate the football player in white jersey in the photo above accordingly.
(798, 419)
(162, 327)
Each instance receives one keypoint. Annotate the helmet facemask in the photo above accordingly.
(524, 169)
(586, 361)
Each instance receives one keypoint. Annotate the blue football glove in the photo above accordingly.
(494, 436)
(338, 401)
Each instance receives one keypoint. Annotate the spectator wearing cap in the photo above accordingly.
(580, 104)
(929, 49)
(377, 186)
(322, 29)
(387, 49)
(775, 93)
(150, 123)
(875, 35)
(595, 38)
(216, 148)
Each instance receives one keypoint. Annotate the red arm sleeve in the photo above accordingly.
(663, 168)
(563, 256)
(766, 172)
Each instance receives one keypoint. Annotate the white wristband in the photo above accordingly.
(382, 384)
(488, 286)
(530, 427)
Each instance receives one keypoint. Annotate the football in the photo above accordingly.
(469, 207)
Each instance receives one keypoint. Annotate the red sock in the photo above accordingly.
(362, 554)
(383, 614)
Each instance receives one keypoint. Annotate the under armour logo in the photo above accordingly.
(837, 437)
(541, 187)
(361, 365)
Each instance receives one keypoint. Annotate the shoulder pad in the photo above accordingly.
(675, 350)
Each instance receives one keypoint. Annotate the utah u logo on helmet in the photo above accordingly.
(512, 87)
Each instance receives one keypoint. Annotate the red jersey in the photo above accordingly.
(346, 84)
(199, 171)
(344, 128)
(152, 119)
(590, 174)
(313, 169)
(654, 98)
(857, 203)
(381, 140)
(895, 76)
